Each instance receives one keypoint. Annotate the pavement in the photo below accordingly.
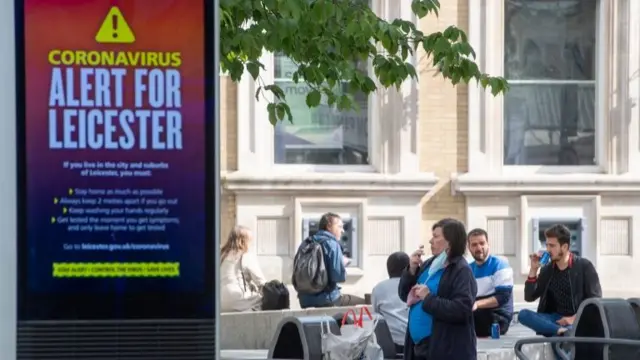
(507, 341)
(488, 349)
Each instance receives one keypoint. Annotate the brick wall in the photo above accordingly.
(228, 148)
(443, 124)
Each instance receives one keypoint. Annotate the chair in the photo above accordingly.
(384, 338)
(635, 305)
(300, 337)
(604, 329)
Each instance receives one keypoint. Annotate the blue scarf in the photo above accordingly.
(437, 264)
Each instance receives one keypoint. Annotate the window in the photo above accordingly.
(550, 63)
(379, 138)
(322, 135)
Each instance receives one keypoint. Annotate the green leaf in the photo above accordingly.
(442, 45)
(277, 91)
(258, 91)
(344, 103)
(271, 109)
(327, 40)
(411, 70)
(405, 52)
(253, 69)
(368, 86)
(419, 9)
(287, 110)
(313, 98)
(452, 33)
(280, 112)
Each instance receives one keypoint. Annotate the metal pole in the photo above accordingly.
(217, 172)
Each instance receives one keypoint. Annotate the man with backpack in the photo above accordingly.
(319, 266)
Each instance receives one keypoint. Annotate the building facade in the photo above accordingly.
(562, 146)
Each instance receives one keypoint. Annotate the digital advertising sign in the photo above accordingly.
(117, 156)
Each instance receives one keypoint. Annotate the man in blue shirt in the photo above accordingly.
(331, 229)
(494, 277)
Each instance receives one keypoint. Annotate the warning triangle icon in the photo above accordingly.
(114, 29)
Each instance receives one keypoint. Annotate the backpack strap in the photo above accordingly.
(319, 241)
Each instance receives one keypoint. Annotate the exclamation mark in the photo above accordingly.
(114, 22)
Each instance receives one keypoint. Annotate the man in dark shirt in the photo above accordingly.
(561, 286)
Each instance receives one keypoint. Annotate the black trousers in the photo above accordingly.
(484, 319)
(421, 350)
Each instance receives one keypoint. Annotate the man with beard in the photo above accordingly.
(494, 276)
(561, 286)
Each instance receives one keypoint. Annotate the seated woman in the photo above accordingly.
(240, 276)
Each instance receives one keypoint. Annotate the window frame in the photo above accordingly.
(372, 110)
(486, 113)
(393, 141)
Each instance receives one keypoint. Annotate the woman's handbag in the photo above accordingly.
(356, 342)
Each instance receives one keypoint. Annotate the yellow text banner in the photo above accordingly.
(116, 269)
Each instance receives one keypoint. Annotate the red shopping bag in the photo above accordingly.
(358, 321)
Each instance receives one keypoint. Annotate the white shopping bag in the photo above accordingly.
(356, 342)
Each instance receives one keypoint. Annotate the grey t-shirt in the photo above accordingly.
(386, 302)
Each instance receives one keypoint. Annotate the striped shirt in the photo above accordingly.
(495, 278)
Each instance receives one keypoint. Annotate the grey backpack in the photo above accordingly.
(309, 270)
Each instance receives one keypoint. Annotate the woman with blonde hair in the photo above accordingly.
(240, 276)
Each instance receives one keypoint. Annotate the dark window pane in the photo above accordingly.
(549, 125)
(550, 39)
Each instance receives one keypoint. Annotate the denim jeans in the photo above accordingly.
(541, 323)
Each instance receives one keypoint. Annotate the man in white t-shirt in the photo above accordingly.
(386, 302)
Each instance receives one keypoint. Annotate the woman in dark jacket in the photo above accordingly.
(441, 293)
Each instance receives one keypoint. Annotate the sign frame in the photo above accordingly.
(61, 307)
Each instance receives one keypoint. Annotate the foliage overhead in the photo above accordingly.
(326, 39)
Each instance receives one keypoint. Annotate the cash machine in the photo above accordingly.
(576, 226)
(310, 226)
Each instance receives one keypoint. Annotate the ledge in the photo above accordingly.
(418, 184)
(468, 184)
(355, 272)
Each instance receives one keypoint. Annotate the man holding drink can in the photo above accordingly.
(564, 281)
